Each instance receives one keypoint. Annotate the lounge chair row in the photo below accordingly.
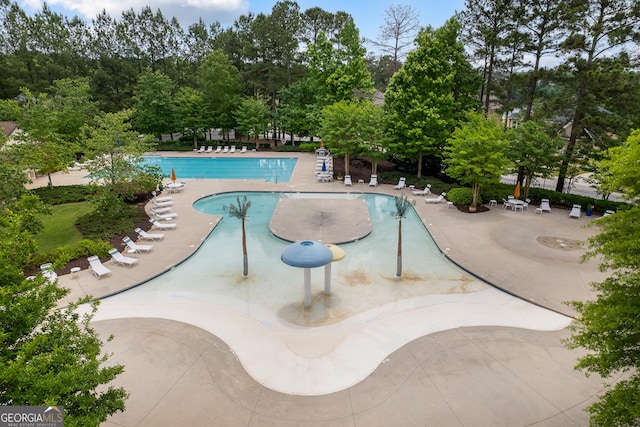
(220, 149)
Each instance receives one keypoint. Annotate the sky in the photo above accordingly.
(367, 14)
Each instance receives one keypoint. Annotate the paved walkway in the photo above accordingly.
(180, 374)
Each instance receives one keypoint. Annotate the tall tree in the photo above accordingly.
(598, 29)
(608, 327)
(252, 116)
(240, 211)
(476, 154)
(429, 94)
(221, 87)
(397, 33)
(153, 103)
(486, 23)
(346, 127)
(190, 112)
(402, 206)
(534, 150)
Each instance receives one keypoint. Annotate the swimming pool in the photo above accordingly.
(362, 281)
(266, 169)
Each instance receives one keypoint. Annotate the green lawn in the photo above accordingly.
(59, 228)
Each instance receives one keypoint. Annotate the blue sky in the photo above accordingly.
(368, 14)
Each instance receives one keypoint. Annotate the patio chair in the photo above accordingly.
(608, 212)
(426, 191)
(118, 258)
(209, 149)
(146, 236)
(161, 210)
(162, 204)
(163, 199)
(201, 150)
(439, 199)
(162, 225)
(232, 149)
(373, 182)
(219, 149)
(544, 205)
(575, 212)
(96, 267)
(347, 180)
(48, 272)
(225, 149)
(243, 150)
(136, 248)
(401, 184)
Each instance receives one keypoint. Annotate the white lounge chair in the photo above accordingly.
(96, 267)
(225, 149)
(401, 184)
(162, 204)
(162, 225)
(347, 180)
(544, 205)
(219, 149)
(118, 258)
(374, 181)
(201, 150)
(425, 192)
(575, 211)
(243, 150)
(161, 210)
(232, 149)
(48, 272)
(146, 236)
(136, 248)
(163, 199)
(439, 199)
(608, 212)
(166, 217)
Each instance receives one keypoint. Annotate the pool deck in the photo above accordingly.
(470, 375)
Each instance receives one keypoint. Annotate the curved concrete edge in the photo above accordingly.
(306, 364)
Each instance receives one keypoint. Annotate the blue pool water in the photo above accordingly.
(362, 281)
(265, 169)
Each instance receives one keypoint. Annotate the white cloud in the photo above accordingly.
(186, 11)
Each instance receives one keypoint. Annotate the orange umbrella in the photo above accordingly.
(516, 192)
(173, 175)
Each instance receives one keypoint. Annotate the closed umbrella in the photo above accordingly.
(324, 166)
(173, 175)
(516, 192)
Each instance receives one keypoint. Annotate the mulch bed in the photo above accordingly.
(479, 208)
(115, 241)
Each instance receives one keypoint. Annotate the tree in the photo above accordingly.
(401, 23)
(221, 87)
(153, 103)
(115, 150)
(48, 356)
(609, 326)
(598, 28)
(240, 211)
(429, 95)
(190, 112)
(253, 117)
(534, 150)
(402, 206)
(476, 154)
(346, 126)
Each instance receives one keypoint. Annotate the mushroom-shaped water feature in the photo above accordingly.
(338, 254)
(306, 254)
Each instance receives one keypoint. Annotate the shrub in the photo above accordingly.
(64, 193)
(61, 255)
(462, 196)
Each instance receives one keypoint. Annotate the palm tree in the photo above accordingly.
(240, 211)
(402, 204)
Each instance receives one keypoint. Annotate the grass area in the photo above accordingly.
(59, 228)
